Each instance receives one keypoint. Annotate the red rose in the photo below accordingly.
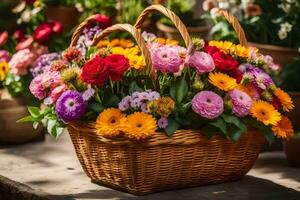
(103, 20)
(57, 27)
(117, 65)
(3, 38)
(43, 33)
(95, 71)
(224, 62)
(19, 35)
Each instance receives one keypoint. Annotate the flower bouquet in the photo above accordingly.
(152, 115)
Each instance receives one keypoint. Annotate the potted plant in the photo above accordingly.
(196, 25)
(14, 94)
(135, 110)
(270, 26)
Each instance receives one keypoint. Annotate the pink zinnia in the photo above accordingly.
(202, 62)
(241, 103)
(166, 60)
(208, 104)
(36, 87)
(21, 61)
(55, 94)
(4, 55)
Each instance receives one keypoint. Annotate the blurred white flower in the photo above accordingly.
(214, 13)
(282, 34)
(25, 16)
(285, 7)
(291, 1)
(79, 7)
(287, 27)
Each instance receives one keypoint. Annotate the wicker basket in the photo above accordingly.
(186, 159)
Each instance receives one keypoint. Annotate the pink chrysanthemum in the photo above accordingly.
(166, 59)
(202, 62)
(20, 62)
(208, 104)
(241, 103)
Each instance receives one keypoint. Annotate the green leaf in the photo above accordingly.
(35, 125)
(111, 101)
(173, 126)
(237, 127)
(210, 131)
(34, 111)
(220, 125)
(179, 90)
(96, 107)
(269, 135)
(26, 119)
(51, 127)
(133, 87)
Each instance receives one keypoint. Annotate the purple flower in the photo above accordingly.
(144, 108)
(208, 104)
(136, 103)
(153, 96)
(202, 62)
(86, 95)
(70, 106)
(261, 79)
(86, 39)
(241, 103)
(43, 63)
(166, 59)
(162, 122)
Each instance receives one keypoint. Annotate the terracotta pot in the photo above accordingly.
(172, 32)
(292, 151)
(11, 132)
(68, 16)
(281, 55)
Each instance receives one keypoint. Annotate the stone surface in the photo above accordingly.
(50, 170)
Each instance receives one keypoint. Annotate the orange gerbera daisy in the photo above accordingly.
(285, 99)
(284, 128)
(265, 113)
(222, 81)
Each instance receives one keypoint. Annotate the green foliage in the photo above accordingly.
(47, 117)
(290, 77)
(179, 90)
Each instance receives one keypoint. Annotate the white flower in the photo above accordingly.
(287, 27)
(291, 1)
(285, 7)
(282, 34)
(224, 5)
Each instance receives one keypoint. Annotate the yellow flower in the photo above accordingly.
(126, 43)
(265, 113)
(223, 46)
(138, 125)
(171, 42)
(114, 43)
(132, 51)
(160, 40)
(162, 106)
(4, 69)
(118, 50)
(284, 99)
(108, 122)
(240, 51)
(222, 81)
(137, 62)
(284, 128)
(103, 43)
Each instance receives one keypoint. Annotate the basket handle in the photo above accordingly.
(137, 36)
(171, 15)
(236, 26)
(78, 31)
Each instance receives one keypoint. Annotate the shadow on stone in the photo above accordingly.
(249, 188)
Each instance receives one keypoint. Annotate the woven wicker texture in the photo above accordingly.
(186, 159)
(171, 15)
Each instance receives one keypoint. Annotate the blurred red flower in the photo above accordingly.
(43, 33)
